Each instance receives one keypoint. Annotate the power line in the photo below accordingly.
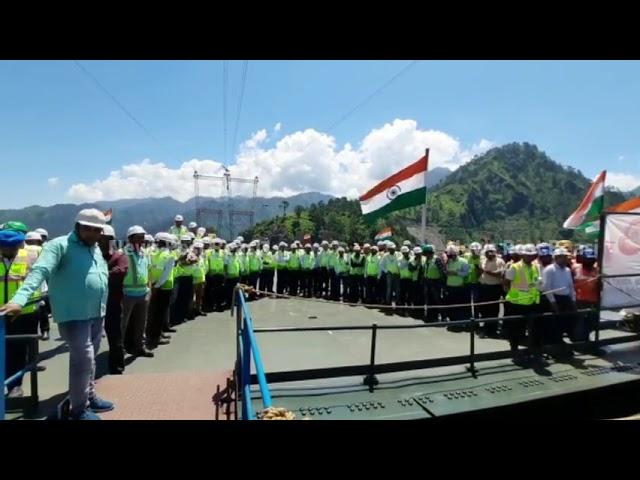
(243, 82)
(225, 86)
(366, 100)
(114, 99)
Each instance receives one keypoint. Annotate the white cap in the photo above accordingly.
(356, 248)
(529, 249)
(391, 245)
(452, 250)
(108, 231)
(282, 244)
(135, 230)
(198, 245)
(407, 243)
(178, 218)
(417, 250)
(148, 238)
(91, 217)
(32, 236)
(193, 224)
(404, 249)
(307, 245)
(560, 251)
(185, 238)
(201, 231)
(42, 231)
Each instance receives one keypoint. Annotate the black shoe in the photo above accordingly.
(116, 371)
(45, 335)
(165, 336)
(41, 368)
(144, 353)
(169, 330)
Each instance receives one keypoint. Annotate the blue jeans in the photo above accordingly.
(83, 338)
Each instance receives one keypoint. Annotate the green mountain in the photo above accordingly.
(156, 214)
(513, 192)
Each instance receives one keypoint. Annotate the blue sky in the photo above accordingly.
(56, 123)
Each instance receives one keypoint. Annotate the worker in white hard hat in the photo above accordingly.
(44, 235)
(214, 297)
(136, 289)
(416, 266)
(307, 261)
(557, 281)
(341, 270)
(178, 229)
(324, 260)
(78, 284)
(193, 228)
(201, 233)
(267, 270)
(232, 269)
(389, 265)
(316, 274)
(404, 294)
(162, 277)
(254, 265)
(185, 270)
(281, 266)
(522, 283)
(492, 268)
(293, 269)
(457, 269)
(356, 275)
(198, 273)
(186, 241)
(472, 280)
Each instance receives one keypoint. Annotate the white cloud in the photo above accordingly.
(277, 127)
(302, 161)
(53, 181)
(623, 181)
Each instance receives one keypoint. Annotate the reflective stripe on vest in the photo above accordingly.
(136, 279)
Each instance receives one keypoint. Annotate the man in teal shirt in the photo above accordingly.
(77, 276)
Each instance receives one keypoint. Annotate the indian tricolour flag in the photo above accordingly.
(587, 215)
(404, 189)
(384, 234)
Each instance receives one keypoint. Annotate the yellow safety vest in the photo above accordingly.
(524, 286)
(11, 279)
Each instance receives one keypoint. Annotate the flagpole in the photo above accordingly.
(423, 230)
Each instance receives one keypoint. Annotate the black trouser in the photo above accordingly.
(381, 289)
(294, 282)
(215, 289)
(585, 322)
(516, 329)
(336, 282)
(266, 280)
(306, 282)
(433, 294)
(457, 296)
(564, 324)
(356, 288)
(325, 282)
(207, 300)
(316, 275)
(184, 297)
(113, 330)
(252, 279)
(43, 318)
(158, 313)
(406, 287)
(16, 352)
(371, 290)
(229, 287)
(282, 282)
(490, 293)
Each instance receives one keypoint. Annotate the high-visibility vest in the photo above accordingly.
(341, 264)
(458, 279)
(11, 279)
(372, 265)
(524, 286)
(307, 260)
(267, 261)
(391, 263)
(473, 276)
(178, 232)
(159, 259)
(432, 272)
(331, 258)
(137, 277)
(403, 265)
(294, 261)
(282, 260)
(242, 261)
(198, 271)
(233, 266)
(254, 262)
(415, 263)
(215, 262)
(325, 257)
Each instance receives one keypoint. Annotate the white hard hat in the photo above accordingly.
(417, 250)
(341, 249)
(307, 245)
(244, 245)
(452, 250)
(490, 248)
(217, 241)
(356, 248)
(240, 238)
(222, 240)
(316, 245)
(375, 247)
(334, 243)
(407, 243)
(32, 236)
(366, 245)
(178, 218)
(282, 244)
(42, 231)
(174, 238)
(201, 231)
(381, 243)
(324, 242)
(529, 249)
(193, 224)
(163, 237)
(198, 245)
(266, 247)
(274, 247)
(391, 245)
(148, 238)
(518, 249)
(91, 217)
(206, 241)
(475, 246)
(560, 251)
(135, 230)
(404, 249)
(185, 238)
(108, 231)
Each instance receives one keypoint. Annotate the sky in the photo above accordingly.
(103, 130)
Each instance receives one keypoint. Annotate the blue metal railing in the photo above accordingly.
(2, 365)
(247, 347)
